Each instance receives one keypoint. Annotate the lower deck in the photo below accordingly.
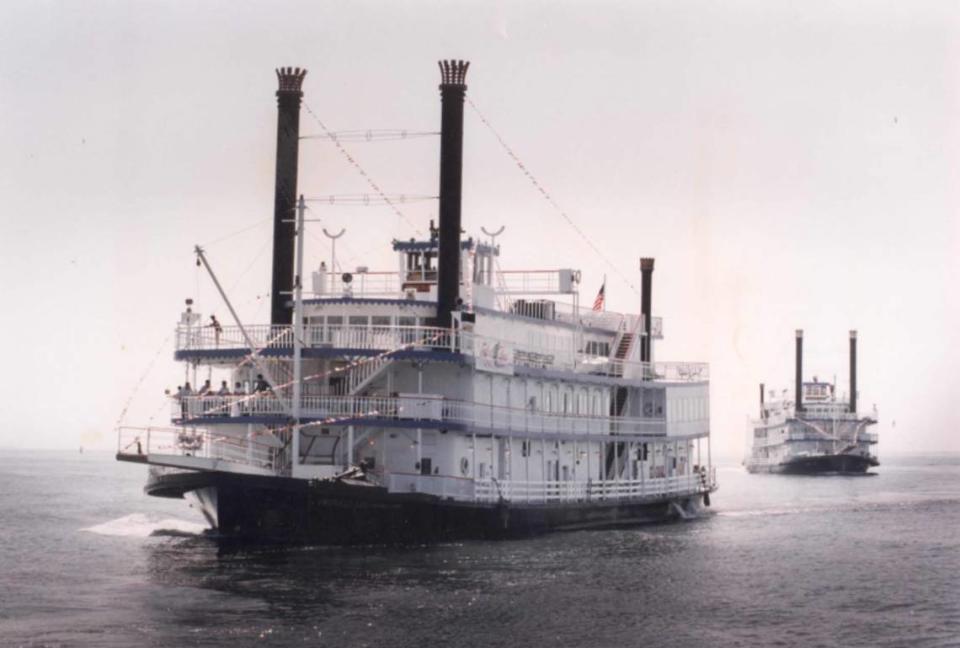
(461, 467)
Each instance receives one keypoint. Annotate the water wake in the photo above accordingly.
(139, 525)
(877, 502)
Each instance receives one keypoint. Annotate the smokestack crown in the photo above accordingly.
(853, 335)
(453, 73)
(800, 333)
(646, 264)
(290, 79)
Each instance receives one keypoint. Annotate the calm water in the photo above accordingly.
(87, 560)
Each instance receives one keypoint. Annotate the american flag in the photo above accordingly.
(598, 302)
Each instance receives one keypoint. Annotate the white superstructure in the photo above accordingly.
(528, 397)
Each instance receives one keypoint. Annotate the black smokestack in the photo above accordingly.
(798, 388)
(763, 414)
(853, 372)
(453, 91)
(285, 194)
(646, 299)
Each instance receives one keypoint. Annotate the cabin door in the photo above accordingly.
(503, 459)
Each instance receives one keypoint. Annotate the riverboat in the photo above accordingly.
(443, 399)
(816, 433)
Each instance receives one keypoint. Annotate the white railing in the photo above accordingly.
(230, 337)
(141, 442)
(330, 409)
(561, 491)
(362, 284)
(828, 411)
(263, 403)
(551, 352)
(531, 282)
(153, 445)
(558, 353)
(680, 371)
(341, 336)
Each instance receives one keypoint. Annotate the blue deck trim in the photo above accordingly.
(261, 419)
(430, 424)
(429, 355)
(229, 354)
(358, 421)
(571, 376)
(379, 301)
(426, 246)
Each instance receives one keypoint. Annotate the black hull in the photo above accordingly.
(838, 464)
(256, 509)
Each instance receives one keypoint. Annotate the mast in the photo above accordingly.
(254, 353)
(297, 340)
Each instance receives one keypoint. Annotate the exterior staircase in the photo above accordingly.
(623, 347)
(358, 377)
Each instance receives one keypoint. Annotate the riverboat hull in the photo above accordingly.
(257, 509)
(828, 464)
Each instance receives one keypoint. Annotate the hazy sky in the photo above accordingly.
(790, 165)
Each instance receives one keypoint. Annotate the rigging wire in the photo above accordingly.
(259, 253)
(140, 381)
(370, 135)
(549, 198)
(163, 405)
(236, 233)
(356, 165)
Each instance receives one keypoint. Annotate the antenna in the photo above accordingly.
(333, 255)
(493, 245)
(493, 235)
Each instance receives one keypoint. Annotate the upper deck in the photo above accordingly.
(509, 320)
(776, 412)
(500, 354)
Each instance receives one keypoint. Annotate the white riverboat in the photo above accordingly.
(815, 433)
(445, 398)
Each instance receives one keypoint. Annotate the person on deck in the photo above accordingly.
(217, 329)
(185, 395)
